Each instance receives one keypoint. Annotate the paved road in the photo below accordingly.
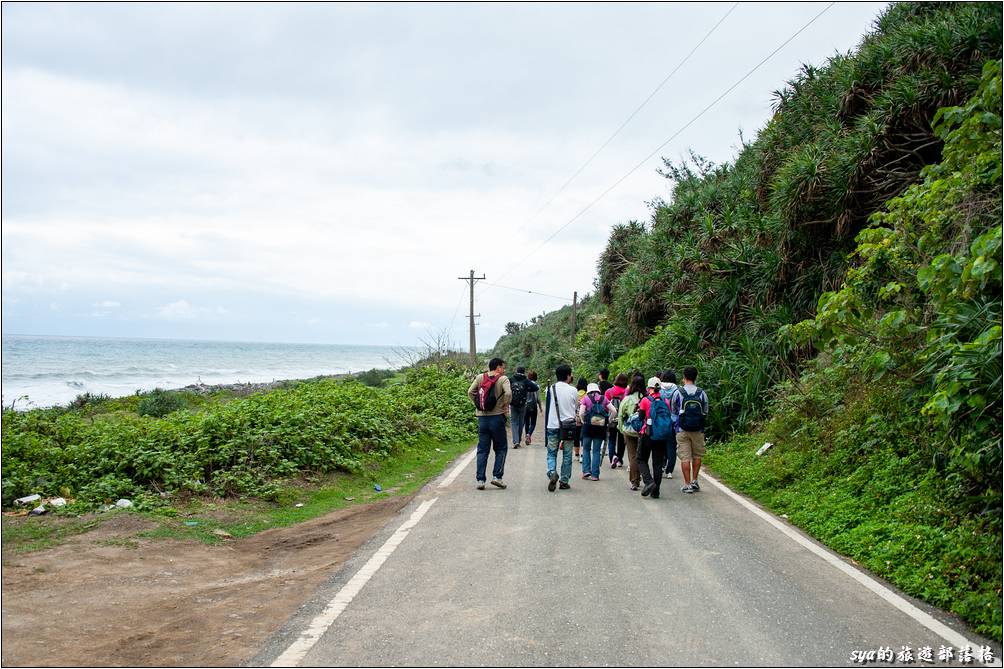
(596, 575)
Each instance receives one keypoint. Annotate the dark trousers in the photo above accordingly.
(531, 419)
(491, 435)
(657, 450)
(615, 444)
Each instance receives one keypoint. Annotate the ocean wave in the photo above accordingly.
(125, 373)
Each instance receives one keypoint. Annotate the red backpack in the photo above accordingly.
(486, 393)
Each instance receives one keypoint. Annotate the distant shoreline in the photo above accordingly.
(252, 387)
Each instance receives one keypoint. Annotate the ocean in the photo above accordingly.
(54, 370)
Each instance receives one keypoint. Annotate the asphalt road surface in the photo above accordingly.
(595, 575)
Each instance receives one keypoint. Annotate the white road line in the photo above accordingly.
(297, 650)
(452, 476)
(925, 619)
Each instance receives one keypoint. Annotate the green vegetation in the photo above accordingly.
(198, 517)
(242, 447)
(839, 288)
(158, 403)
(20, 536)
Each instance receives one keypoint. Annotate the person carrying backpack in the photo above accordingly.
(690, 405)
(522, 387)
(533, 407)
(491, 393)
(594, 410)
(657, 423)
(560, 409)
(615, 438)
(669, 388)
(629, 424)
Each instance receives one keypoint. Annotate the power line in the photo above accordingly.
(532, 292)
(637, 109)
(671, 138)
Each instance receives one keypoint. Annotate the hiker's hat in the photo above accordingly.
(654, 382)
(593, 388)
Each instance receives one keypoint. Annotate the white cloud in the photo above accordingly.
(107, 304)
(162, 177)
(179, 310)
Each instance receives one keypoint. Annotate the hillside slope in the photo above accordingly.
(838, 286)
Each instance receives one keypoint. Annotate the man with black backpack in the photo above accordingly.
(491, 393)
(690, 406)
(522, 388)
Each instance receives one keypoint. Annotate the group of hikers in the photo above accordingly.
(653, 422)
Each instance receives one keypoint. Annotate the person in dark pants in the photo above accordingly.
(647, 446)
(491, 393)
(532, 407)
(669, 388)
(522, 387)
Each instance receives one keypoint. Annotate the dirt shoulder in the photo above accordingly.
(109, 598)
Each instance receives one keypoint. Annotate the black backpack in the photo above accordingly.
(518, 394)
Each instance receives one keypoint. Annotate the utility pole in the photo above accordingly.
(575, 306)
(473, 279)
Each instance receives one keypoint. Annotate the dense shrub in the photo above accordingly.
(158, 403)
(744, 249)
(238, 447)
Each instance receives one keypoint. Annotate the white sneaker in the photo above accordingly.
(669, 475)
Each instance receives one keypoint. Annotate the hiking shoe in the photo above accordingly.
(689, 489)
(498, 483)
(563, 486)
(695, 486)
(481, 485)
(669, 475)
(553, 482)
(515, 445)
(633, 486)
(647, 490)
(654, 495)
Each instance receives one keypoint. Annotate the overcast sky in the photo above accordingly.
(324, 173)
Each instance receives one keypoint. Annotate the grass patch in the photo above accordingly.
(402, 473)
(25, 535)
(888, 511)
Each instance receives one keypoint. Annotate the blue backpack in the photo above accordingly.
(597, 415)
(691, 411)
(662, 419)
